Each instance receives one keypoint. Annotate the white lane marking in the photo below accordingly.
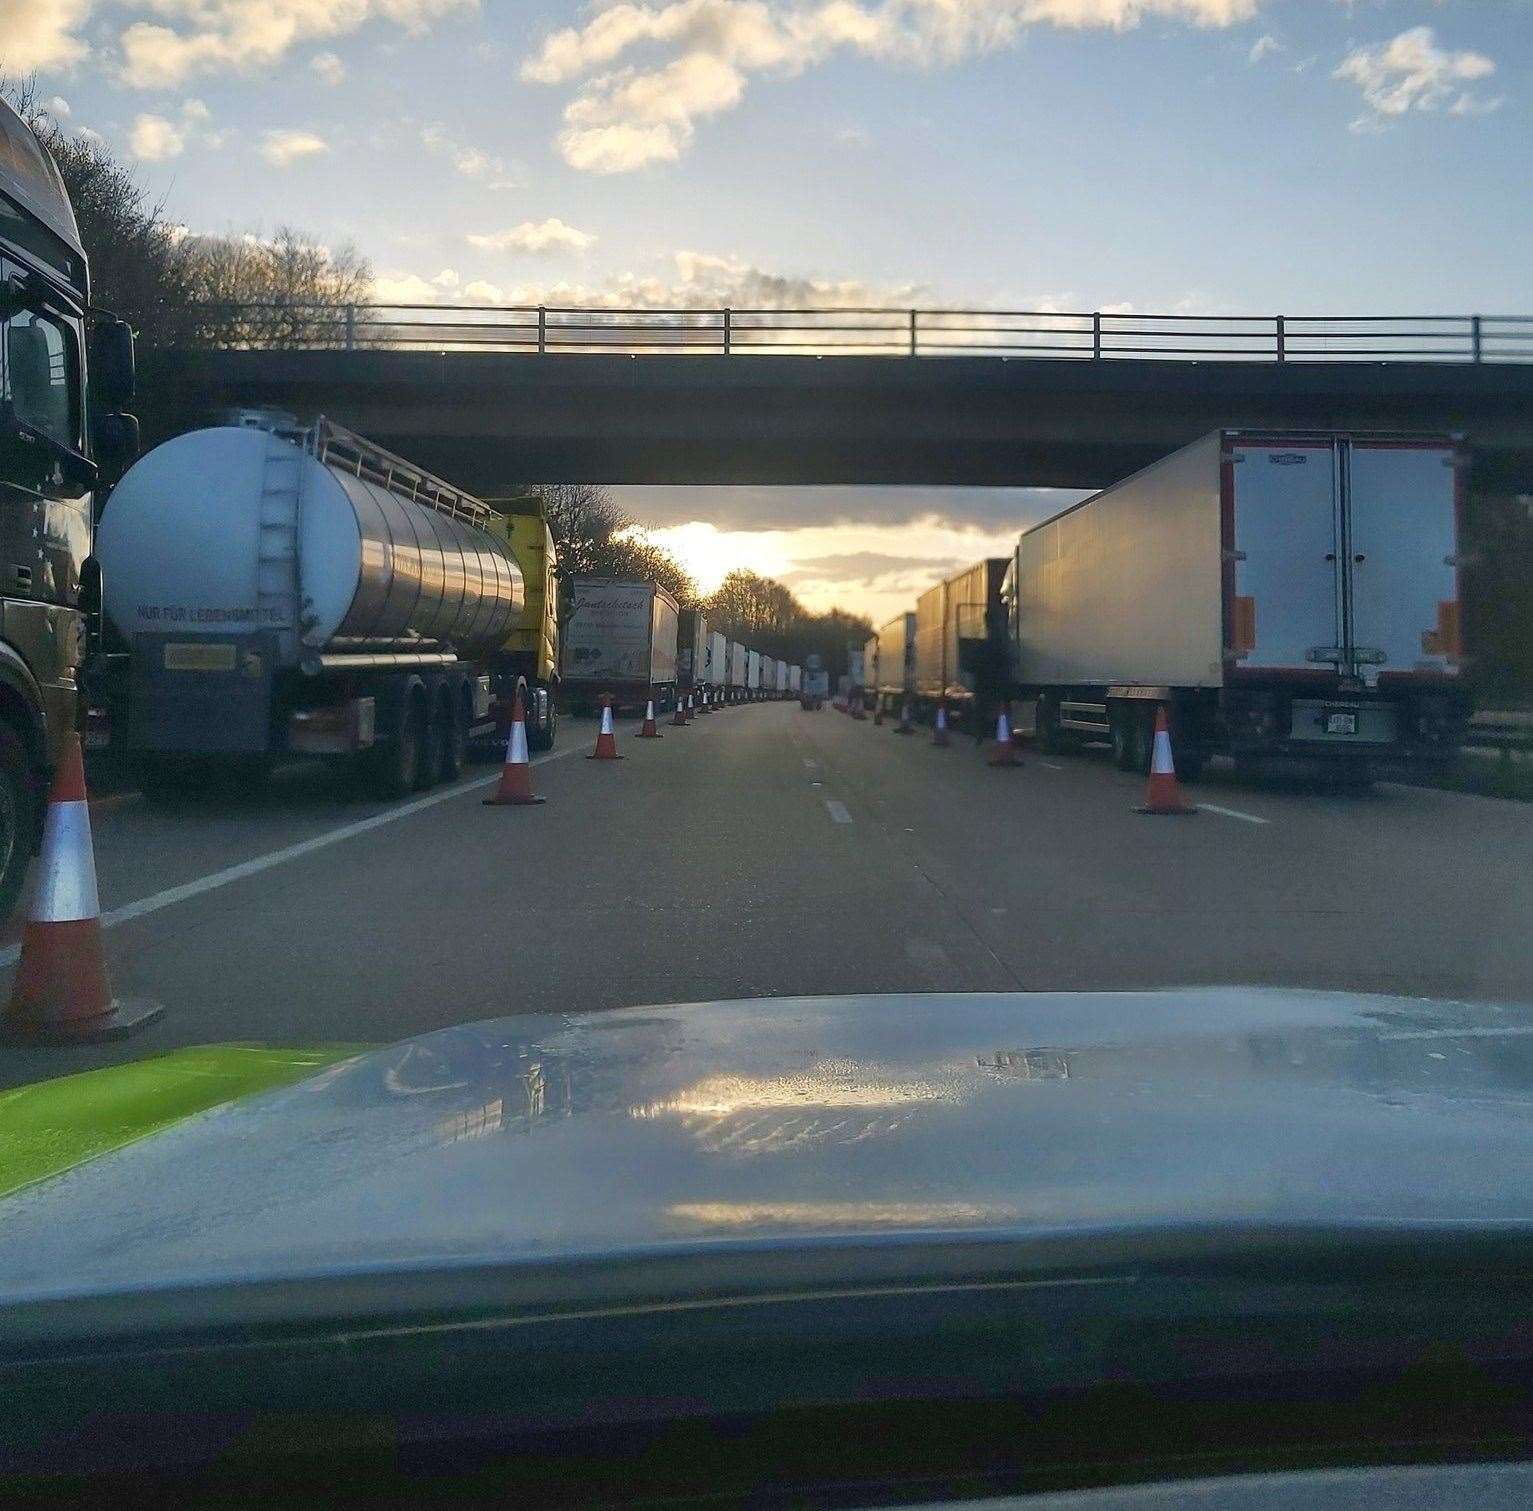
(216, 879)
(1247, 818)
(1050, 766)
(838, 810)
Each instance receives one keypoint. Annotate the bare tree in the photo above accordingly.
(594, 536)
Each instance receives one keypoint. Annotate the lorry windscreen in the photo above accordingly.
(38, 362)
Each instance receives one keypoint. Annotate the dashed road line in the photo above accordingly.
(1246, 818)
(216, 879)
(838, 811)
(1050, 766)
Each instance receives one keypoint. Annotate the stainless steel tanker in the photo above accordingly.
(288, 589)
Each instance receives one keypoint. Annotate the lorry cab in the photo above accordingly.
(531, 653)
(49, 587)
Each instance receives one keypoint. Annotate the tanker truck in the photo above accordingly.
(277, 590)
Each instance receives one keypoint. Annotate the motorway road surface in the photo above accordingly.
(764, 851)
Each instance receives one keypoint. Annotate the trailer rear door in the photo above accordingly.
(1287, 527)
(1402, 501)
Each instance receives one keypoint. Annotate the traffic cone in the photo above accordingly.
(1003, 752)
(906, 725)
(515, 790)
(61, 993)
(859, 709)
(606, 740)
(690, 709)
(647, 730)
(939, 726)
(878, 714)
(679, 713)
(1165, 795)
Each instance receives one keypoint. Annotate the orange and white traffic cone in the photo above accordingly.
(1165, 795)
(679, 713)
(691, 710)
(907, 724)
(859, 709)
(1004, 751)
(606, 740)
(647, 730)
(939, 726)
(515, 790)
(61, 993)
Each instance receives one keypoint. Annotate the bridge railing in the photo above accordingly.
(1092, 336)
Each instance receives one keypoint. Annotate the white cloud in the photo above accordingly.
(623, 116)
(240, 35)
(41, 34)
(473, 162)
(284, 147)
(549, 237)
(58, 107)
(157, 138)
(153, 139)
(404, 288)
(328, 68)
(1411, 72)
(1263, 45)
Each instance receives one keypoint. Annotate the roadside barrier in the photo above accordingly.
(606, 739)
(1004, 751)
(515, 790)
(647, 730)
(61, 994)
(1165, 794)
(939, 726)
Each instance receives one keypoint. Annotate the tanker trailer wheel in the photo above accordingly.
(452, 715)
(396, 761)
(428, 765)
(1124, 721)
(18, 818)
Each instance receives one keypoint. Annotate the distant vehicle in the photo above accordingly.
(716, 673)
(781, 687)
(1290, 598)
(960, 628)
(795, 680)
(896, 661)
(61, 439)
(620, 638)
(691, 650)
(262, 605)
(739, 672)
(816, 683)
(753, 675)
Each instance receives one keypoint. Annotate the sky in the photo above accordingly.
(1199, 156)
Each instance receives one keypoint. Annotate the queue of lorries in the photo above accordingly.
(275, 589)
(1290, 599)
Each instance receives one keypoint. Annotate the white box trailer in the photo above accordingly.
(739, 671)
(691, 647)
(716, 669)
(896, 655)
(1287, 596)
(795, 680)
(782, 679)
(768, 677)
(753, 673)
(619, 638)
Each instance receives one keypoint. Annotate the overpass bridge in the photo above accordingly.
(492, 397)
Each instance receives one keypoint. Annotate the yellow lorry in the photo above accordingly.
(530, 654)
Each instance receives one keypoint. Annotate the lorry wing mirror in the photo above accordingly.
(115, 437)
(112, 363)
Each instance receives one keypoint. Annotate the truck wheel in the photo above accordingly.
(432, 737)
(396, 762)
(454, 736)
(1141, 732)
(18, 818)
(543, 737)
(1046, 739)
(1125, 737)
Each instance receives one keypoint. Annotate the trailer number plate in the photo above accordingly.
(1340, 723)
(200, 658)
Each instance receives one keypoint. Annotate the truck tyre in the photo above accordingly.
(453, 713)
(542, 738)
(18, 817)
(1122, 720)
(1046, 733)
(396, 761)
(433, 736)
